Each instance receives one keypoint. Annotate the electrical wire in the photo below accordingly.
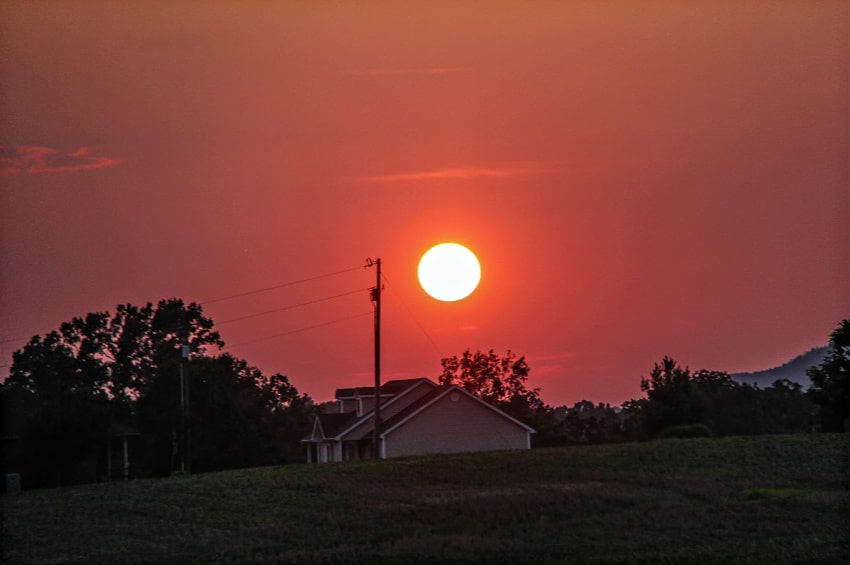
(282, 285)
(249, 293)
(303, 329)
(291, 306)
(415, 320)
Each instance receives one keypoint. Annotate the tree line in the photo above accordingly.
(105, 374)
(678, 402)
(157, 374)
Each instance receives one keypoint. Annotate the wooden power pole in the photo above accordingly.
(376, 298)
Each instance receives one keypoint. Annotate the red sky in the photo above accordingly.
(637, 179)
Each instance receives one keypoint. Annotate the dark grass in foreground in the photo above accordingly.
(768, 499)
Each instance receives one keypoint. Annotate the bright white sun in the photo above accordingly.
(449, 272)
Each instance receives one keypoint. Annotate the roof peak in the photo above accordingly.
(389, 388)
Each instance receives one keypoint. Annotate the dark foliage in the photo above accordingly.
(102, 373)
(237, 417)
(501, 381)
(829, 390)
(583, 423)
(677, 399)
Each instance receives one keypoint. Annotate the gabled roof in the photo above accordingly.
(401, 387)
(392, 387)
(402, 384)
(432, 397)
(329, 424)
(413, 408)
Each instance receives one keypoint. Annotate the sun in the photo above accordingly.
(449, 272)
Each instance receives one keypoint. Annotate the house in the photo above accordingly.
(418, 417)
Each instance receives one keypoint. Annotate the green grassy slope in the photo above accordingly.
(768, 499)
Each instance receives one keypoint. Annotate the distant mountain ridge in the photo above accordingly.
(794, 370)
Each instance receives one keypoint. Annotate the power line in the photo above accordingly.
(290, 332)
(416, 321)
(305, 328)
(291, 306)
(232, 296)
(282, 285)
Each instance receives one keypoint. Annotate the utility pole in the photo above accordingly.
(376, 298)
(186, 448)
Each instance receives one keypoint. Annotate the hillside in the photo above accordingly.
(794, 370)
(768, 499)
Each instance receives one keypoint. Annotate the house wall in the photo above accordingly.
(347, 405)
(323, 453)
(329, 451)
(455, 424)
(365, 404)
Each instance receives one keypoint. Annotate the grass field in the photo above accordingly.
(767, 499)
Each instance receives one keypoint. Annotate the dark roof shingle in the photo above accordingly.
(332, 423)
(413, 407)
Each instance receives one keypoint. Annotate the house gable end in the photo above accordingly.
(318, 433)
(435, 396)
(450, 421)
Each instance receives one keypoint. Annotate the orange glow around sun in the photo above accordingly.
(449, 272)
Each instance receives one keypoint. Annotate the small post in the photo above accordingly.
(126, 461)
(186, 459)
(182, 420)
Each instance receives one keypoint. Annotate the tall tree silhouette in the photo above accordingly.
(829, 389)
(101, 372)
(497, 379)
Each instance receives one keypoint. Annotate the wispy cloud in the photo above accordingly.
(386, 72)
(463, 173)
(30, 160)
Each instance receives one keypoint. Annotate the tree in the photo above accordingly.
(292, 418)
(65, 375)
(787, 409)
(496, 379)
(680, 402)
(672, 399)
(118, 355)
(829, 388)
(103, 370)
(235, 415)
(584, 422)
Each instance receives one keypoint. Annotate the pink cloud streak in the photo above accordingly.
(463, 173)
(402, 72)
(29, 159)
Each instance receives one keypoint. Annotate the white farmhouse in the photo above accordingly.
(418, 417)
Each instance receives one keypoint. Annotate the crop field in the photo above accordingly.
(765, 499)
